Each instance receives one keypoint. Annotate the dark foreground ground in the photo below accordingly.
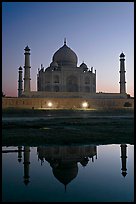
(67, 127)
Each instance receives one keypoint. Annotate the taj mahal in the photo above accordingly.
(63, 84)
(62, 75)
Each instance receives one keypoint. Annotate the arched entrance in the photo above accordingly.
(72, 84)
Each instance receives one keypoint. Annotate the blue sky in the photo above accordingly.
(96, 31)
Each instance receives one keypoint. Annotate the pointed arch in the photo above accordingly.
(72, 83)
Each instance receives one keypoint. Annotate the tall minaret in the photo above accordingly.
(122, 74)
(20, 81)
(27, 70)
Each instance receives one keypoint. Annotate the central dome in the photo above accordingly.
(65, 56)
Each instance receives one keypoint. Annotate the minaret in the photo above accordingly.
(20, 81)
(122, 74)
(26, 164)
(123, 158)
(95, 81)
(27, 70)
(19, 153)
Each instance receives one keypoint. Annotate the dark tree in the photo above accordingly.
(3, 95)
(127, 104)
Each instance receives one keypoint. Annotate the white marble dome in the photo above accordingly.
(65, 56)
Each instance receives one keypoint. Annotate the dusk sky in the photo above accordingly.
(96, 31)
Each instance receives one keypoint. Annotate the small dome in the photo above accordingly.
(83, 65)
(48, 69)
(54, 64)
(65, 56)
(122, 55)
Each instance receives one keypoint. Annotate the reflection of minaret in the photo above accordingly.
(19, 153)
(123, 158)
(96, 155)
(26, 164)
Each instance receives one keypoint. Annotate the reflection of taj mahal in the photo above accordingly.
(64, 160)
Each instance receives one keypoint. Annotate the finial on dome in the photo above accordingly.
(64, 41)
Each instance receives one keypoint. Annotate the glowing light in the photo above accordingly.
(45, 128)
(50, 104)
(84, 104)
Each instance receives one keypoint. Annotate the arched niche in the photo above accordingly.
(72, 83)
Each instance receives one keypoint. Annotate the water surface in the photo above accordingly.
(86, 173)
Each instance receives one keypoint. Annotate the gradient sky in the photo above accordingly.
(96, 31)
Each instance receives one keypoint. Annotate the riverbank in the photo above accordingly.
(67, 127)
(12, 112)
